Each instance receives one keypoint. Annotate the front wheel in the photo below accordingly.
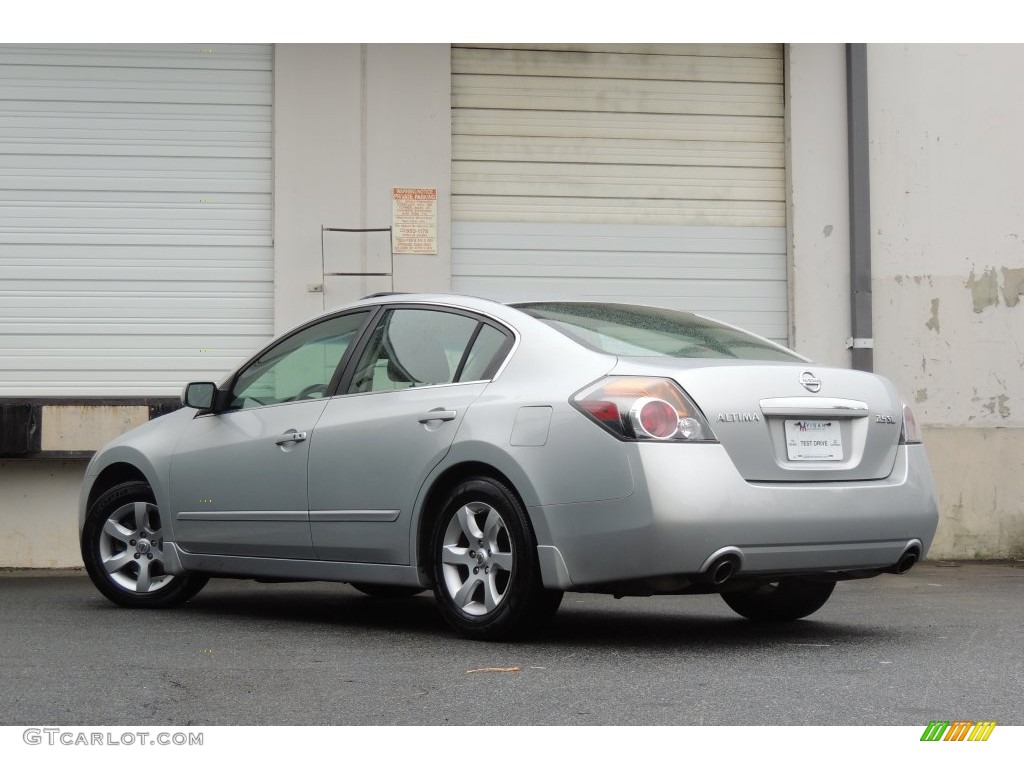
(486, 574)
(784, 600)
(122, 547)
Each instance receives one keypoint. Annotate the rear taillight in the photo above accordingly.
(643, 408)
(911, 433)
(655, 418)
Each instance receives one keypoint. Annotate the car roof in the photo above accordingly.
(474, 303)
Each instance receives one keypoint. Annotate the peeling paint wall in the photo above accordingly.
(947, 215)
(948, 218)
(947, 210)
(1013, 285)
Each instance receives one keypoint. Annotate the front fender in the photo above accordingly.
(148, 449)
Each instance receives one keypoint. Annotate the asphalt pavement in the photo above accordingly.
(944, 642)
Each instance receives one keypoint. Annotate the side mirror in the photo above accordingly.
(199, 394)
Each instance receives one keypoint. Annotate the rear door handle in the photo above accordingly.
(291, 436)
(438, 414)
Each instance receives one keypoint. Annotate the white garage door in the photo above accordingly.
(135, 215)
(650, 173)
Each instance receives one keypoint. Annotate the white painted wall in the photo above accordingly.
(317, 166)
(350, 123)
(409, 144)
(818, 200)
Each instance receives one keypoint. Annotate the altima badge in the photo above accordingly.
(811, 382)
(738, 417)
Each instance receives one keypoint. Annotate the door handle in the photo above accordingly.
(291, 436)
(438, 414)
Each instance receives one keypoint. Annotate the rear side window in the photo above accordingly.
(485, 355)
(424, 347)
(630, 331)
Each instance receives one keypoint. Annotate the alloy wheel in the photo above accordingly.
(126, 553)
(477, 558)
(131, 548)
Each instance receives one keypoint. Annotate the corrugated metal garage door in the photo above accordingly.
(135, 215)
(651, 173)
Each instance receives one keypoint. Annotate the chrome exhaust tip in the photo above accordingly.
(723, 570)
(906, 562)
(908, 559)
(721, 566)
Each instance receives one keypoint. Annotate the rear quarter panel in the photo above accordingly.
(575, 461)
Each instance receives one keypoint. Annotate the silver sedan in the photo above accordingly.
(504, 454)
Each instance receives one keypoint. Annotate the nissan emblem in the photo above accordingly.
(811, 382)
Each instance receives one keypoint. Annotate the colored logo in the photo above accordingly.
(958, 730)
(813, 426)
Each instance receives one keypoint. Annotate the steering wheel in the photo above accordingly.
(313, 389)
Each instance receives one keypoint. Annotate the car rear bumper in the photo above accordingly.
(690, 504)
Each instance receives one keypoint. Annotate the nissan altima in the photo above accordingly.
(501, 455)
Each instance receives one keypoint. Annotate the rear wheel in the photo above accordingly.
(486, 574)
(784, 600)
(122, 547)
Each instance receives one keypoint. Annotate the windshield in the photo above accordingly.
(630, 331)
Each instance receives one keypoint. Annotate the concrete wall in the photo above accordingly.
(350, 123)
(947, 210)
(39, 513)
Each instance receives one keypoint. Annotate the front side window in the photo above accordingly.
(423, 347)
(299, 367)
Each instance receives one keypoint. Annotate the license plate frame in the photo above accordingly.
(813, 440)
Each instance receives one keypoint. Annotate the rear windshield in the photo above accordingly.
(630, 331)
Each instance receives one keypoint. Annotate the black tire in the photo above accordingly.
(122, 547)
(386, 591)
(784, 600)
(486, 574)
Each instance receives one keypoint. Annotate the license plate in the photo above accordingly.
(808, 440)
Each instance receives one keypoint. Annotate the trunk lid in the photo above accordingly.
(782, 422)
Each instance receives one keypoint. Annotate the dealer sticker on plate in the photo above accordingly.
(813, 440)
